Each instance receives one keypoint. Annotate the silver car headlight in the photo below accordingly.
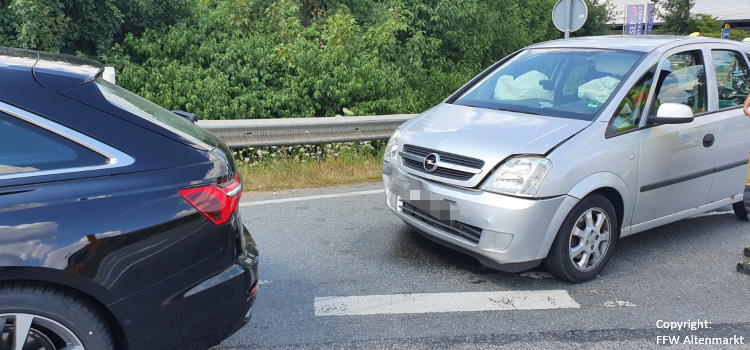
(519, 176)
(391, 148)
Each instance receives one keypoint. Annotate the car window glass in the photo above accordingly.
(628, 113)
(682, 80)
(733, 78)
(25, 147)
(148, 110)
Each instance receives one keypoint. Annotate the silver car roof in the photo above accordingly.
(644, 43)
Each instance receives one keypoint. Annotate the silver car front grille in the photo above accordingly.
(457, 228)
(439, 163)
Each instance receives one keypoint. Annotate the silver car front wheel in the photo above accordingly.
(589, 239)
(585, 241)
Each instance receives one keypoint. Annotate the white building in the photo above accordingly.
(735, 12)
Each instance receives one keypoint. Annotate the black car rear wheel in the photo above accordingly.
(49, 318)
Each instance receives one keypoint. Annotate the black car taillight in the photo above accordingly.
(217, 203)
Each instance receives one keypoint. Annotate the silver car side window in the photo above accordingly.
(628, 114)
(682, 80)
(733, 78)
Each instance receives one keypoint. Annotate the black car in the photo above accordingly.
(119, 220)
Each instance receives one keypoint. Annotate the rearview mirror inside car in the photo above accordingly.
(673, 113)
(187, 115)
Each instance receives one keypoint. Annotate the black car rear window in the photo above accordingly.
(25, 147)
(154, 113)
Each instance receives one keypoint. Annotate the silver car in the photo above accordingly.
(556, 151)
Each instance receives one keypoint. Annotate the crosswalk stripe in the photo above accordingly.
(444, 302)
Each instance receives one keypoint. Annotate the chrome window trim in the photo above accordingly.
(115, 158)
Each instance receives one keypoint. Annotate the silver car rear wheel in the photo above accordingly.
(741, 209)
(22, 331)
(589, 239)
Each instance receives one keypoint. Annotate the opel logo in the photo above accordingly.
(431, 162)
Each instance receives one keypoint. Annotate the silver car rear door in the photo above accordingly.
(729, 72)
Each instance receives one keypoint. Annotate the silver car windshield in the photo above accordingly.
(566, 83)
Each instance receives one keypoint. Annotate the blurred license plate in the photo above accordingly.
(439, 208)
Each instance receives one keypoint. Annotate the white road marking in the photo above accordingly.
(307, 198)
(619, 303)
(444, 302)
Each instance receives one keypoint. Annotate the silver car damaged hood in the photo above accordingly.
(485, 134)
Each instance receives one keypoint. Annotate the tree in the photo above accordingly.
(89, 27)
(601, 14)
(676, 15)
(711, 26)
(139, 15)
(7, 24)
(40, 24)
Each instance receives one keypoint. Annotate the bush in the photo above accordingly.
(267, 67)
(286, 59)
(236, 59)
(305, 153)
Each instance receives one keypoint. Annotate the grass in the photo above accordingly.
(281, 168)
(290, 174)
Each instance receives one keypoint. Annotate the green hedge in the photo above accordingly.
(232, 59)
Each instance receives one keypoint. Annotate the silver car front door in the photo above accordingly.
(676, 167)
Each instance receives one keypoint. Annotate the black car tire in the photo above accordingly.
(741, 209)
(558, 261)
(59, 305)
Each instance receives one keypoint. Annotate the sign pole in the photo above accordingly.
(568, 12)
(645, 17)
(569, 15)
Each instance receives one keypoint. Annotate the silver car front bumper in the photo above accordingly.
(503, 232)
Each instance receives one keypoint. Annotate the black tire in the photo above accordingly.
(741, 209)
(61, 306)
(558, 261)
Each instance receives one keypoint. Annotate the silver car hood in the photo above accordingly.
(485, 134)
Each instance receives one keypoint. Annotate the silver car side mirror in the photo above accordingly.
(673, 113)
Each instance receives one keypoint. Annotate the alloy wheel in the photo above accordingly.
(590, 239)
(21, 331)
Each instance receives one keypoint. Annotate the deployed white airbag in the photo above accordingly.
(527, 86)
(598, 89)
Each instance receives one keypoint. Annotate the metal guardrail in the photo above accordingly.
(303, 131)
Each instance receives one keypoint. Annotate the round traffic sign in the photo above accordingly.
(570, 15)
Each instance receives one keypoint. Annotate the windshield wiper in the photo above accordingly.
(515, 111)
(499, 109)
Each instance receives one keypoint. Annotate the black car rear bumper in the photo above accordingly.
(197, 318)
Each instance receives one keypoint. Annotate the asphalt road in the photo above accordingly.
(352, 245)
